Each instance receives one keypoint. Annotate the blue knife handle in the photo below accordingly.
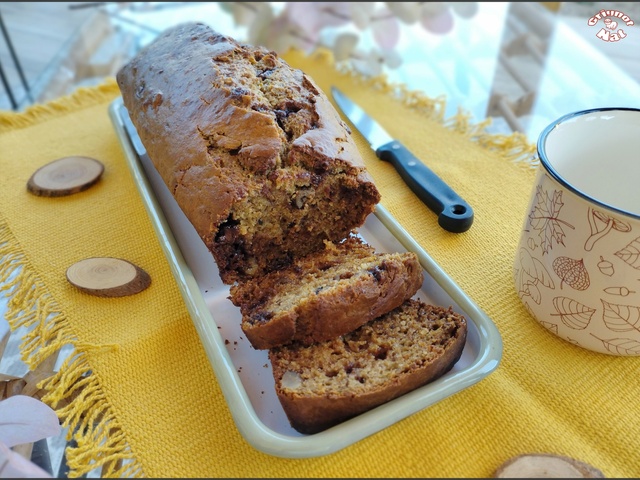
(454, 214)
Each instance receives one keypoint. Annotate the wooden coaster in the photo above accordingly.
(545, 465)
(65, 176)
(108, 277)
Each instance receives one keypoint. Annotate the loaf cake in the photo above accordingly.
(326, 383)
(252, 150)
(325, 294)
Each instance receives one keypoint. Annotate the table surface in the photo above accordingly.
(522, 64)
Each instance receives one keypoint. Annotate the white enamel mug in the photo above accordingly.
(577, 265)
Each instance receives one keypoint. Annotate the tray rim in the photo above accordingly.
(351, 431)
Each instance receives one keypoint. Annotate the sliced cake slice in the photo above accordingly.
(324, 384)
(325, 294)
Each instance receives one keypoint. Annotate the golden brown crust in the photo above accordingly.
(322, 385)
(253, 152)
(325, 294)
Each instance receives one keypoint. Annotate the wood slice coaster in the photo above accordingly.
(544, 465)
(65, 176)
(108, 277)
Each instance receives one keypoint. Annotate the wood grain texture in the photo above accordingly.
(65, 176)
(108, 277)
(546, 465)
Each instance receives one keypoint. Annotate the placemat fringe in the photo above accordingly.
(86, 412)
(73, 392)
(81, 97)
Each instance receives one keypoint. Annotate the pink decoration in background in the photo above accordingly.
(339, 26)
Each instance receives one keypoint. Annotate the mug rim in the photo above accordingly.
(544, 161)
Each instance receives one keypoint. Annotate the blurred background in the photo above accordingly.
(521, 63)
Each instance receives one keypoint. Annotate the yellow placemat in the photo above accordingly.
(150, 398)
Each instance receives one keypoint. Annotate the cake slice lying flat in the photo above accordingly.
(324, 384)
(325, 294)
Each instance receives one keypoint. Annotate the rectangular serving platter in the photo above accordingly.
(243, 372)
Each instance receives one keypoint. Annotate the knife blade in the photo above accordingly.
(454, 214)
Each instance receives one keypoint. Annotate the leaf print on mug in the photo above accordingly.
(532, 273)
(631, 254)
(544, 218)
(621, 318)
(573, 313)
(620, 346)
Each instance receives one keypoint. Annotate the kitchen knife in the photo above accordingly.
(454, 214)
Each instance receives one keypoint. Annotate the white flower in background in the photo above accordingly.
(340, 26)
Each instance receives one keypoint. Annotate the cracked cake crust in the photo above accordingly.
(253, 151)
